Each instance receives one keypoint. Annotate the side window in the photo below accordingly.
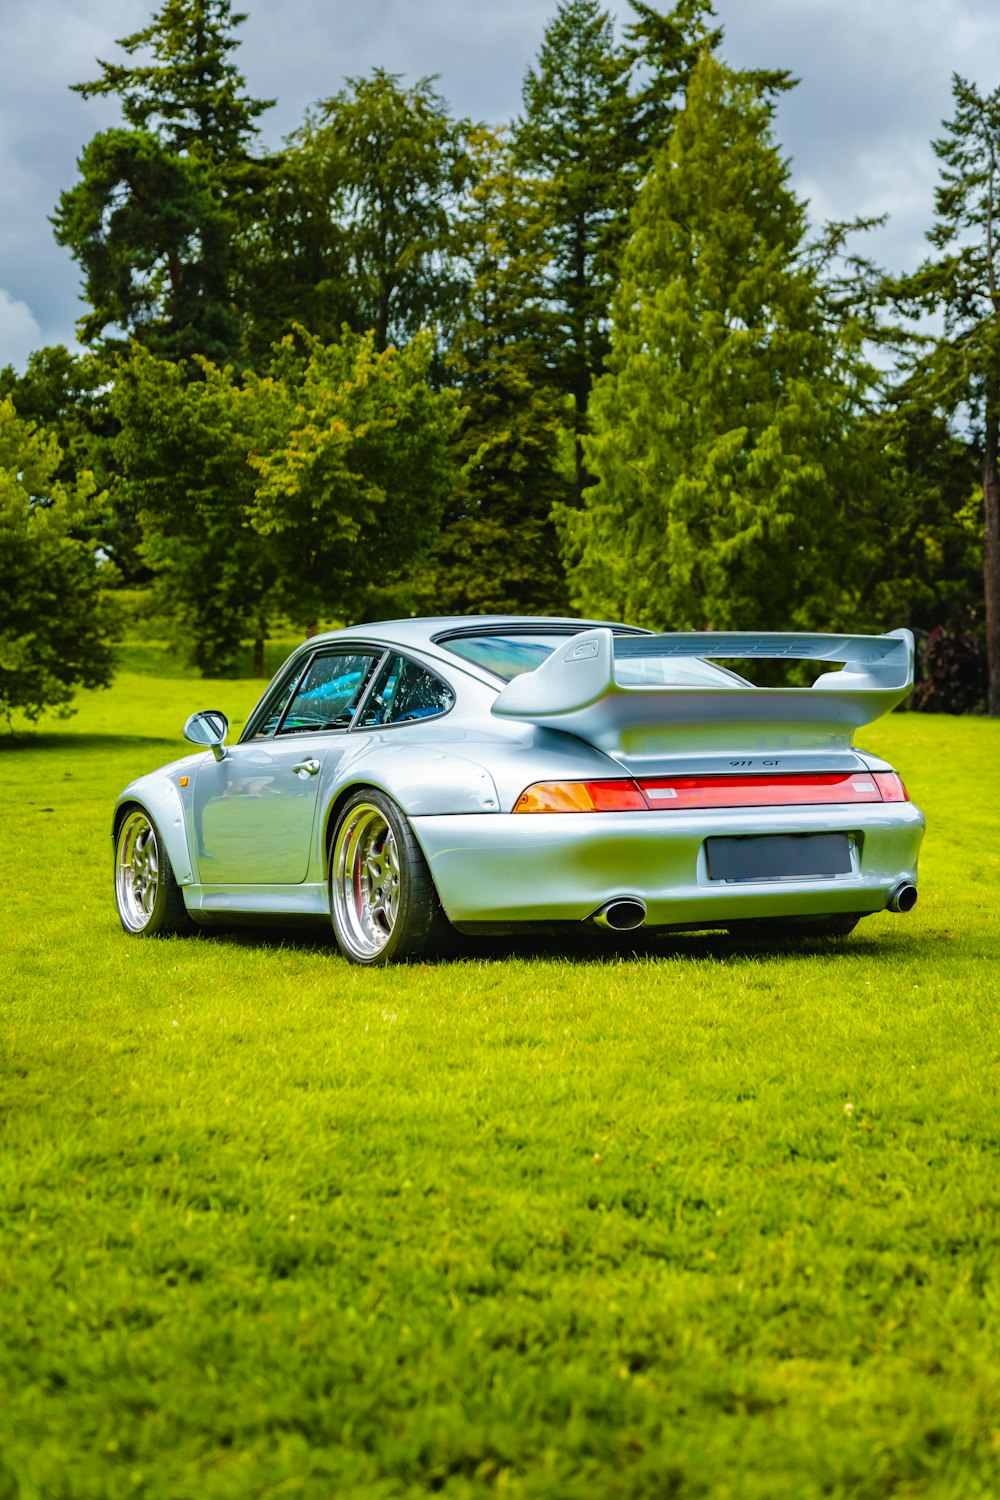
(405, 692)
(330, 692)
(276, 707)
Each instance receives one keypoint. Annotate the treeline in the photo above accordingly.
(595, 360)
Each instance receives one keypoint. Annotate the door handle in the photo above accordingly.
(306, 768)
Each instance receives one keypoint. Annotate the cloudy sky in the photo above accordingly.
(875, 85)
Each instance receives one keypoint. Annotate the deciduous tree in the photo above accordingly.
(360, 222)
(354, 471)
(57, 626)
(183, 456)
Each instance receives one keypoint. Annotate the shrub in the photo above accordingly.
(953, 673)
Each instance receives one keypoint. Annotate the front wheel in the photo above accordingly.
(149, 900)
(382, 898)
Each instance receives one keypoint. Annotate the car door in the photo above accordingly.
(255, 810)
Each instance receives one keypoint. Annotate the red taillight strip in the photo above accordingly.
(675, 793)
(761, 791)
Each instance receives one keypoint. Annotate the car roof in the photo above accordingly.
(424, 631)
(425, 634)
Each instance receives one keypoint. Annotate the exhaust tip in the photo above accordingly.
(904, 897)
(622, 915)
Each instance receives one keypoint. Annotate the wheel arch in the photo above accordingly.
(167, 812)
(334, 810)
(435, 784)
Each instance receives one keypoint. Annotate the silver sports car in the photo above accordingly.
(495, 774)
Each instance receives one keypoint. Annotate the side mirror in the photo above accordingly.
(209, 728)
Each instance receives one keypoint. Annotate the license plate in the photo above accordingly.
(778, 856)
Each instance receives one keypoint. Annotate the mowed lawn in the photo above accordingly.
(699, 1220)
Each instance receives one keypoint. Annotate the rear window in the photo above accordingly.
(507, 655)
(510, 655)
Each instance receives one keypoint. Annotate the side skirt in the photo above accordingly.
(208, 904)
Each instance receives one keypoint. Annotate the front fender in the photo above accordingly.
(159, 795)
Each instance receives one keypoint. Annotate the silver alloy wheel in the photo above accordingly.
(137, 871)
(365, 877)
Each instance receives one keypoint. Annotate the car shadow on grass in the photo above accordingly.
(586, 947)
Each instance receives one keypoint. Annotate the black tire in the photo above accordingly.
(383, 903)
(148, 898)
(798, 927)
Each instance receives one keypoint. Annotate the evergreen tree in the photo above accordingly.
(663, 49)
(959, 371)
(595, 115)
(56, 624)
(919, 543)
(573, 134)
(722, 431)
(190, 95)
(154, 215)
(498, 549)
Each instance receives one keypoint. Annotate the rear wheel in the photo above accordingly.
(799, 927)
(382, 898)
(149, 900)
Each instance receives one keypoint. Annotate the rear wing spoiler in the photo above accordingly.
(577, 691)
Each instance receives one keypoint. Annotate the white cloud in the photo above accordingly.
(20, 331)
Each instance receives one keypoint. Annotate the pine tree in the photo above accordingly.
(663, 48)
(498, 550)
(154, 215)
(721, 430)
(190, 95)
(573, 134)
(960, 370)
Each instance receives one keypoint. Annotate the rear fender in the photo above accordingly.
(422, 780)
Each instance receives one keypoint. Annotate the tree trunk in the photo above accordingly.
(258, 657)
(991, 556)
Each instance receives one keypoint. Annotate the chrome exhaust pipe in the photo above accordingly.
(621, 915)
(903, 898)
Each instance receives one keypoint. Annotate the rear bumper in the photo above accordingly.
(546, 867)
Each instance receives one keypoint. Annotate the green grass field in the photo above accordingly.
(701, 1220)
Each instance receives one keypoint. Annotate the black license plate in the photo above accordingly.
(778, 856)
